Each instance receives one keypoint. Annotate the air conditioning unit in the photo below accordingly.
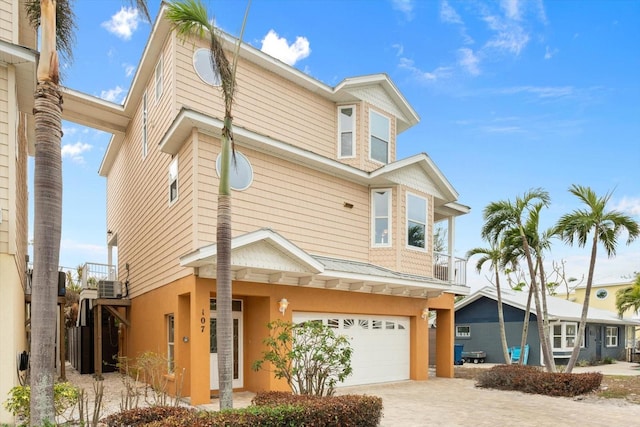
(109, 289)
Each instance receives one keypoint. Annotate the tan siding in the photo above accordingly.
(6, 20)
(305, 206)
(265, 103)
(4, 161)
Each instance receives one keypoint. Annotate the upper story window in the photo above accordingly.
(381, 215)
(346, 131)
(416, 221)
(158, 79)
(144, 125)
(205, 67)
(602, 294)
(241, 172)
(173, 180)
(379, 131)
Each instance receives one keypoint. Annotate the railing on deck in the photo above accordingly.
(441, 269)
(92, 273)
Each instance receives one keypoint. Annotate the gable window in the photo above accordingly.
(170, 343)
(379, 129)
(381, 213)
(564, 336)
(602, 294)
(463, 331)
(346, 131)
(416, 221)
(612, 336)
(158, 79)
(173, 180)
(144, 125)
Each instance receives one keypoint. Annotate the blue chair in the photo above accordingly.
(514, 352)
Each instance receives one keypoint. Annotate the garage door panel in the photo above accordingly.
(380, 344)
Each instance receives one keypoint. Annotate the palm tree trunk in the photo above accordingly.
(525, 327)
(47, 221)
(503, 333)
(223, 275)
(585, 305)
(545, 315)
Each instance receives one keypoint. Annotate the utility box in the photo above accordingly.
(109, 289)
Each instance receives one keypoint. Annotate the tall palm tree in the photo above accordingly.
(494, 256)
(504, 217)
(57, 23)
(629, 298)
(606, 227)
(189, 17)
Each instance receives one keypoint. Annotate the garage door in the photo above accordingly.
(380, 345)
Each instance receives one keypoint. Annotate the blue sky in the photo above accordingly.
(512, 95)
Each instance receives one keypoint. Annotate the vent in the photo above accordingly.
(109, 289)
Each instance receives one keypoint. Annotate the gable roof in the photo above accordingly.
(267, 257)
(559, 309)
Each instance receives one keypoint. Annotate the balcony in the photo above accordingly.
(444, 263)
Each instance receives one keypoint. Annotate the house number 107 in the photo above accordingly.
(203, 320)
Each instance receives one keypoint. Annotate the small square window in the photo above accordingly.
(463, 331)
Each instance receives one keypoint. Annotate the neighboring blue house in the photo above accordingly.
(477, 328)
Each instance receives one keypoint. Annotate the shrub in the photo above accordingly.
(529, 379)
(65, 395)
(143, 416)
(309, 355)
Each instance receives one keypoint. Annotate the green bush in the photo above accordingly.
(65, 395)
(529, 379)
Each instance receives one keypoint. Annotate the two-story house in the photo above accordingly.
(17, 86)
(327, 223)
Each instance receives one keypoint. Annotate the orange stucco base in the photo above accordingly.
(188, 300)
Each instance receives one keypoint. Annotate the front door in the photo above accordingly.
(237, 346)
(598, 342)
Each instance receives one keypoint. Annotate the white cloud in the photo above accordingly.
(550, 53)
(399, 48)
(469, 61)
(448, 14)
(404, 6)
(129, 69)
(512, 9)
(124, 23)
(540, 91)
(425, 76)
(279, 48)
(74, 151)
(630, 206)
(113, 95)
(508, 36)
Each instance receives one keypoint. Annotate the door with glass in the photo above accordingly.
(237, 345)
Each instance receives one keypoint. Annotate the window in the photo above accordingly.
(205, 67)
(346, 131)
(381, 203)
(564, 336)
(241, 172)
(416, 221)
(173, 180)
(144, 125)
(602, 294)
(612, 336)
(463, 331)
(158, 79)
(170, 343)
(379, 132)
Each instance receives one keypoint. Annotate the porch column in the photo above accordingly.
(444, 343)
(419, 364)
(199, 341)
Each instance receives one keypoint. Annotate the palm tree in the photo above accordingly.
(494, 256)
(629, 298)
(189, 17)
(56, 22)
(605, 226)
(504, 217)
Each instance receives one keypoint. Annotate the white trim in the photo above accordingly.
(388, 141)
(607, 336)
(170, 321)
(389, 217)
(426, 221)
(563, 336)
(145, 124)
(463, 335)
(353, 131)
(173, 178)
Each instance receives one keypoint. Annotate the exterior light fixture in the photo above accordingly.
(425, 313)
(282, 305)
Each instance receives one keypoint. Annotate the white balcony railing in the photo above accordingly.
(441, 266)
(92, 273)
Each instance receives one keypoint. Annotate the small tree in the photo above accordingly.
(309, 355)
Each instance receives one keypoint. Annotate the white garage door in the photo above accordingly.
(380, 345)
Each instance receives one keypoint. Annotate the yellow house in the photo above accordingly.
(325, 217)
